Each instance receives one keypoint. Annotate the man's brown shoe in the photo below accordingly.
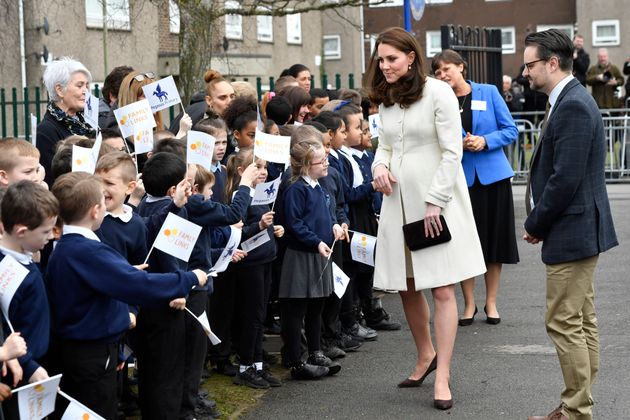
(554, 415)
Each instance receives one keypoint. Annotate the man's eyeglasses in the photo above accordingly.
(530, 65)
(140, 77)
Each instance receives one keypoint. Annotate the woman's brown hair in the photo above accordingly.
(450, 57)
(408, 89)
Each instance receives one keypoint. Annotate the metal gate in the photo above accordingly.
(481, 48)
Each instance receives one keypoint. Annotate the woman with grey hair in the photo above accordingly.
(67, 81)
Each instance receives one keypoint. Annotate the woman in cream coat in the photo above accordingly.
(417, 166)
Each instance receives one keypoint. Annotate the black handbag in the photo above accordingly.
(415, 238)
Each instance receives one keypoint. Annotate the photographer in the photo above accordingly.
(604, 78)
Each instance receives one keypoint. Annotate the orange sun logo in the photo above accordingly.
(38, 388)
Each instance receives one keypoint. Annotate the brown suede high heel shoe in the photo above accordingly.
(414, 383)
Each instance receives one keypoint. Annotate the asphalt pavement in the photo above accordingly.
(507, 371)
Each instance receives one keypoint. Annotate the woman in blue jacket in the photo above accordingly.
(487, 127)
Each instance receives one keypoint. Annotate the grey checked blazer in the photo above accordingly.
(572, 213)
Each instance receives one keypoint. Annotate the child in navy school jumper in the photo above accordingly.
(160, 330)
(125, 231)
(209, 215)
(334, 343)
(29, 212)
(216, 128)
(253, 277)
(306, 279)
(90, 288)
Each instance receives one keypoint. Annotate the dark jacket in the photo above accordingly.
(49, 132)
(572, 213)
(580, 66)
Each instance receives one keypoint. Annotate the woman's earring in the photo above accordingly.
(409, 67)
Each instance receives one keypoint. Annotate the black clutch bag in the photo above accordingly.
(415, 239)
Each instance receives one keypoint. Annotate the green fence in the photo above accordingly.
(15, 110)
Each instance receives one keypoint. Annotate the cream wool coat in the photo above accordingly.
(422, 147)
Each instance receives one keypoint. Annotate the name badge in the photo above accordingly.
(476, 105)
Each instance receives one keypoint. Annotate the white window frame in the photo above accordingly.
(332, 54)
(173, 17)
(264, 27)
(388, 3)
(438, 1)
(233, 23)
(606, 41)
(294, 29)
(569, 29)
(507, 48)
(117, 14)
(431, 50)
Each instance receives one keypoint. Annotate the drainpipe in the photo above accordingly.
(22, 49)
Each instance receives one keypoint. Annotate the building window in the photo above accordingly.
(388, 3)
(332, 47)
(117, 14)
(434, 43)
(567, 29)
(438, 1)
(233, 23)
(294, 29)
(264, 28)
(605, 32)
(173, 14)
(508, 36)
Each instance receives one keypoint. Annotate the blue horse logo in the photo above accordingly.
(339, 280)
(89, 104)
(270, 191)
(161, 94)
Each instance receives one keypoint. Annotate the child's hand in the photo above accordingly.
(346, 235)
(182, 192)
(141, 266)
(238, 255)
(16, 370)
(238, 225)
(185, 124)
(5, 392)
(249, 175)
(14, 346)
(266, 220)
(136, 195)
(324, 250)
(338, 232)
(278, 231)
(132, 321)
(201, 276)
(179, 303)
(39, 375)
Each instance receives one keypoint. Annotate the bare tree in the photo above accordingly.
(200, 35)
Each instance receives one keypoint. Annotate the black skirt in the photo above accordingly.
(493, 208)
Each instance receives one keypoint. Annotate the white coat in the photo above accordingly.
(422, 147)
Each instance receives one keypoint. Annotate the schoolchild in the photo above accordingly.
(253, 277)
(160, 328)
(306, 279)
(90, 288)
(29, 212)
(216, 128)
(19, 160)
(209, 215)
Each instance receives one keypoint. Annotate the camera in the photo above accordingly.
(607, 76)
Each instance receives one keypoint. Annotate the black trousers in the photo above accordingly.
(161, 335)
(296, 312)
(196, 346)
(89, 375)
(252, 290)
(332, 306)
(221, 313)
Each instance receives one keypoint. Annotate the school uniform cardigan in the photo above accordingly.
(90, 287)
(307, 217)
(266, 252)
(220, 179)
(29, 314)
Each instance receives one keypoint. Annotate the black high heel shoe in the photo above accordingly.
(464, 322)
(491, 320)
(414, 383)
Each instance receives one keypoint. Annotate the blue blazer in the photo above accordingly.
(497, 126)
(572, 213)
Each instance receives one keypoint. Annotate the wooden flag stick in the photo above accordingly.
(149, 254)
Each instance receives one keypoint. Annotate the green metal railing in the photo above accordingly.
(15, 112)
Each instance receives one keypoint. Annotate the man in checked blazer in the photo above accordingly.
(570, 214)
